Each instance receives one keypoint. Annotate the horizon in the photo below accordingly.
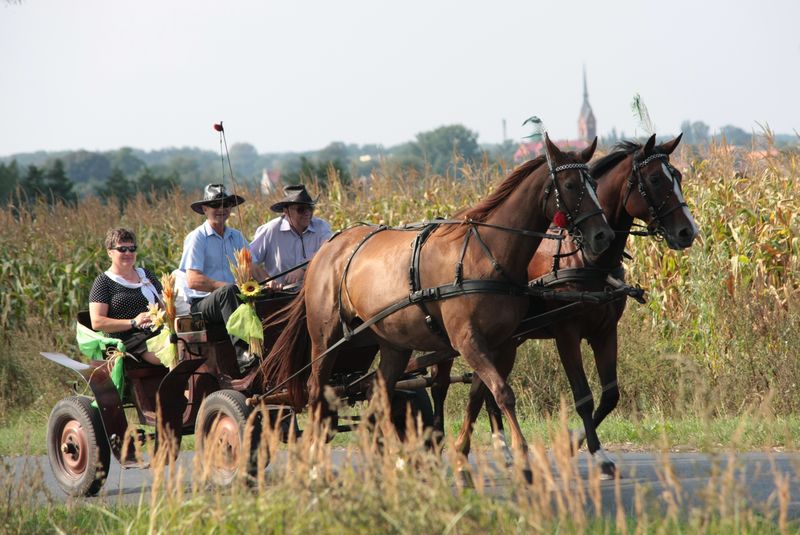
(153, 77)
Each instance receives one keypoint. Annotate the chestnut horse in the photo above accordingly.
(363, 272)
(634, 181)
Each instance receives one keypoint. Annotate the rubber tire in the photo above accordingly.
(232, 405)
(420, 405)
(89, 481)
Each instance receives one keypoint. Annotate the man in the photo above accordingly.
(208, 251)
(288, 240)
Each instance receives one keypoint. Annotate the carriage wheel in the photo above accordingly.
(220, 437)
(420, 404)
(77, 447)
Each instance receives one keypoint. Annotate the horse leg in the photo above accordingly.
(391, 367)
(477, 394)
(321, 370)
(569, 350)
(478, 356)
(605, 356)
(440, 383)
(499, 441)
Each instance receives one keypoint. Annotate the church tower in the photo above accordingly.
(587, 128)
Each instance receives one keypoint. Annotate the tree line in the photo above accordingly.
(126, 172)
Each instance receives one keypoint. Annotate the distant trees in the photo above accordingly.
(439, 148)
(50, 183)
(735, 135)
(152, 185)
(313, 169)
(695, 132)
(9, 179)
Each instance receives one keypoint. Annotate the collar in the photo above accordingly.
(285, 226)
(209, 230)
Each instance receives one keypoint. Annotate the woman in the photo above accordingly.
(120, 297)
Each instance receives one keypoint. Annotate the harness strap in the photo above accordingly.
(345, 327)
(415, 282)
(497, 267)
(581, 274)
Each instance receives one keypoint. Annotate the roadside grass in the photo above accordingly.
(25, 433)
(391, 487)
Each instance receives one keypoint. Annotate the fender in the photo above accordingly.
(97, 377)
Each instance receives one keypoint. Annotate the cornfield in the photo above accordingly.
(719, 332)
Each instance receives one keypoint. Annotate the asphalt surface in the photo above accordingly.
(755, 472)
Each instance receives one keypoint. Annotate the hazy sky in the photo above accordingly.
(296, 75)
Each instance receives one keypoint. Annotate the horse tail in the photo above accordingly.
(291, 351)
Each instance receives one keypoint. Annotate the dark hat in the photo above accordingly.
(215, 193)
(293, 195)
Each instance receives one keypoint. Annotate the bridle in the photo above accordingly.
(657, 212)
(574, 217)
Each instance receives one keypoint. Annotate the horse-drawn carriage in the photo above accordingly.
(463, 287)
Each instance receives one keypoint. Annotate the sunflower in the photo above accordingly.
(250, 288)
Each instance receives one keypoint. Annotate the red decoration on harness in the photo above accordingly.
(560, 219)
(218, 127)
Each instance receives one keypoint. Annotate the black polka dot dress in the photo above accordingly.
(124, 303)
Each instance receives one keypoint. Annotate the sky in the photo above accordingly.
(297, 75)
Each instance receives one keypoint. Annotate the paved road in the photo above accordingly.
(692, 470)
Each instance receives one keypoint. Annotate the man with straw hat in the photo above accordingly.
(208, 252)
(291, 239)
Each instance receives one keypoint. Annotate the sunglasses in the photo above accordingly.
(303, 208)
(125, 248)
(219, 204)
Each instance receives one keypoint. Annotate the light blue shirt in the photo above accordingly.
(209, 253)
(278, 247)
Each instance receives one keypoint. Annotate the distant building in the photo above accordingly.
(531, 149)
(587, 126)
(587, 130)
(270, 181)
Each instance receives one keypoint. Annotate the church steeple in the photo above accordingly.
(587, 127)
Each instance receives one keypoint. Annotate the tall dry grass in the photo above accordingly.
(382, 485)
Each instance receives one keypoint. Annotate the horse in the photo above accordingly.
(361, 277)
(635, 181)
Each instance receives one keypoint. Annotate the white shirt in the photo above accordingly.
(278, 247)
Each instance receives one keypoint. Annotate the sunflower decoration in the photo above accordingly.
(168, 295)
(250, 289)
(163, 344)
(157, 316)
(242, 268)
(244, 322)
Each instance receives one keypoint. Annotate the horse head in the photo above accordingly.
(570, 200)
(654, 194)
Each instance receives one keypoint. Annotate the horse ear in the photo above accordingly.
(588, 152)
(551, 148)
(648, 147)
(670, 146)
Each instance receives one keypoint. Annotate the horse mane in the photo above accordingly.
(619, 152)
(485, 208)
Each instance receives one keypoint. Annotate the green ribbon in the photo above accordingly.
(165, 350)
(244, 323)
(94, 345)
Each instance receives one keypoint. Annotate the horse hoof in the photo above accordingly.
(465, 478)
(576, 440)
(608, 470)
(527, 473)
